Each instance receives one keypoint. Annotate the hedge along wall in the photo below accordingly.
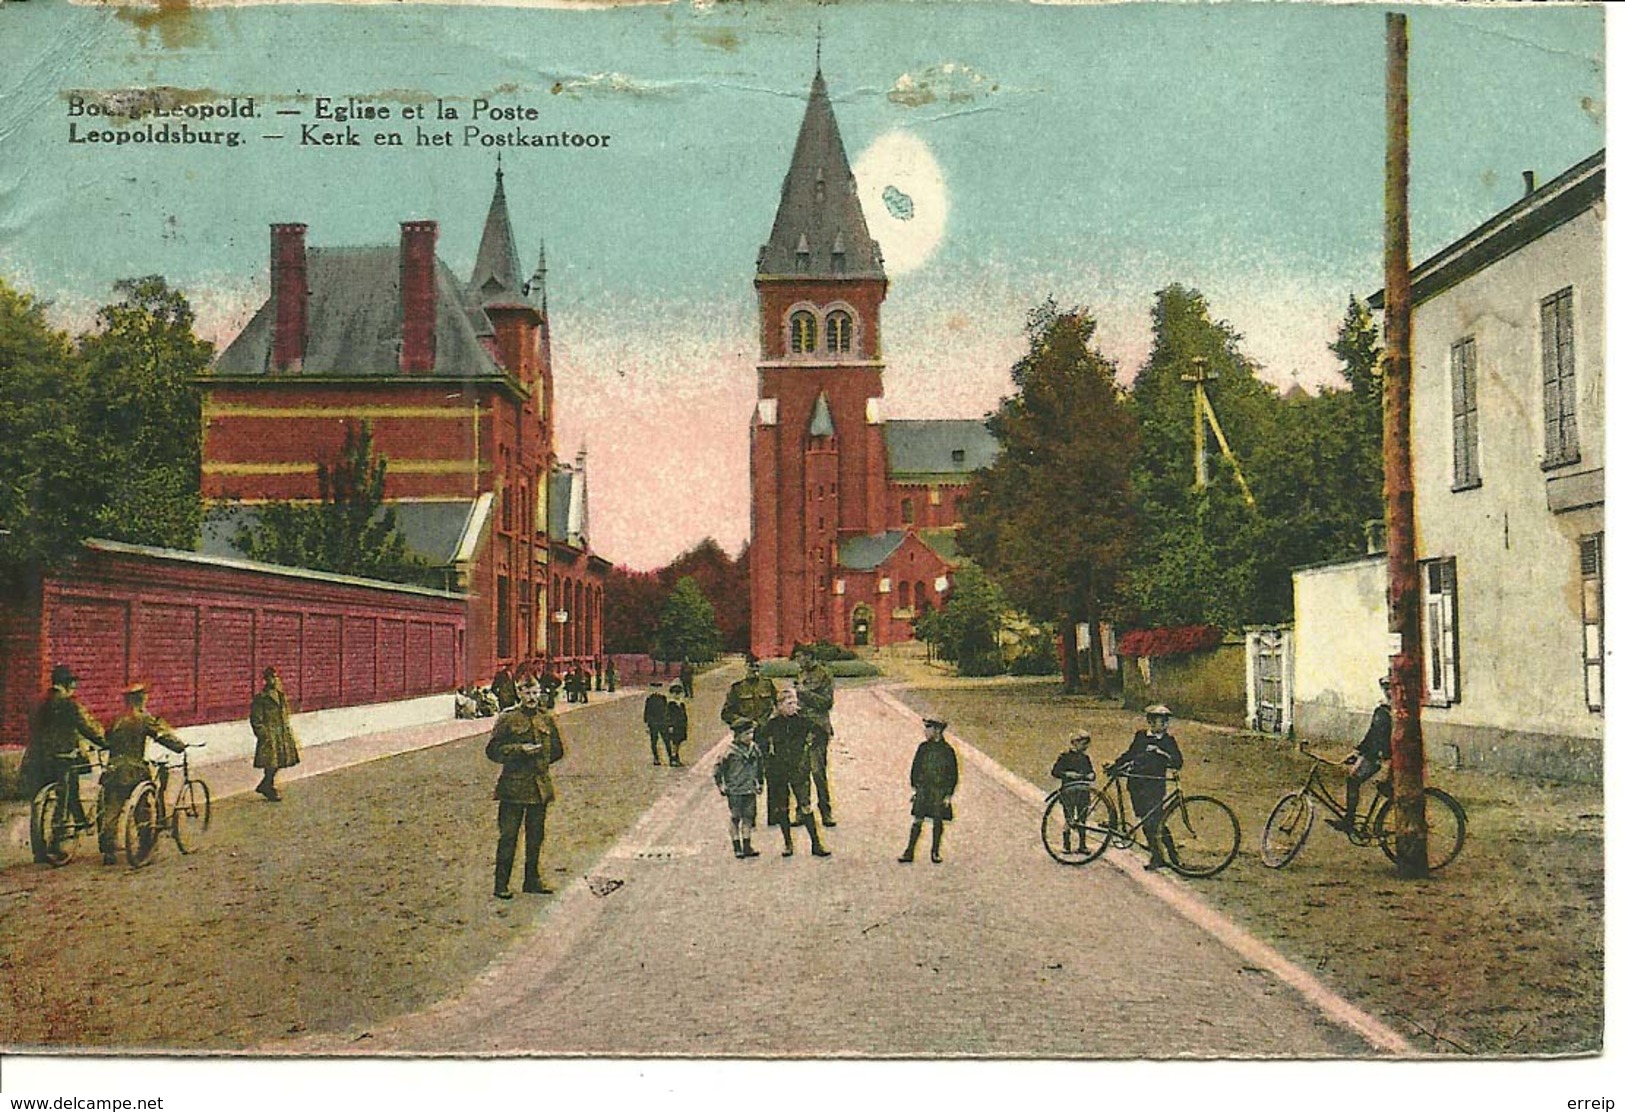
(1210, 685)
(199, 630)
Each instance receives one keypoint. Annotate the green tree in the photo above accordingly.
(688, 625)
(349, 530)
(1052, 518)
(1202, 556)
(101, 438)
(966, 629)
(142, 406)
(46, 478)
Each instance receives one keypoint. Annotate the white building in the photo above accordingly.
(1508, 442)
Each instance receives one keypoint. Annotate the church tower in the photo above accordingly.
(818, 453)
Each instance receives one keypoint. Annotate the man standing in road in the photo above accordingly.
(275, 747)
(1146, 762)
(503, 687)
(685, 676)
(676, 725)
(654, 718)
(750, 699)
(815, 692)
(526, 743)
(55, 752)
(127, 760)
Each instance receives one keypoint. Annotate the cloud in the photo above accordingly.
(950, 83)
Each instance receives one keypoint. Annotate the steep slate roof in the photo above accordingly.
(496, 268)
(869, 552)
(944, 542)
(821, 424)
(431, 529)
(818, 206)
(558, 505)
(927, 447)
(354, 322)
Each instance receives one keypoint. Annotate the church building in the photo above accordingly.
(854, 518)
(455, 380)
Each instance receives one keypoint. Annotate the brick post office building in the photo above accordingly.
(455, 380)
(854, 518)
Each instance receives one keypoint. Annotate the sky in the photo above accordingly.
(1093, 153)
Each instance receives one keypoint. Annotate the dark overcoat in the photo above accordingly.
(934, 777)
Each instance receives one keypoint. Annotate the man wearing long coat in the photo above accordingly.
(54, 753)
(527, 744)
(654, 718)
(275, 746)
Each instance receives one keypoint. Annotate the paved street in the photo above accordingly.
(672, 946)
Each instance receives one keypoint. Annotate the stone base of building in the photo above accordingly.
(1453, 745)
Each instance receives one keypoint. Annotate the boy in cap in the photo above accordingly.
(1367, 757)
(1076, 772)
(1146, 762)
(933, 776)
(740, 780)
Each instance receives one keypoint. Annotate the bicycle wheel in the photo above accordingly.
(1205, 835)
(1446, 828)
(140, 825)
(1085, 838)
(189, 820)
(48, 827)
(1287, 831)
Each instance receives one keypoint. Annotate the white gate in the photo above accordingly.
(1269, 679)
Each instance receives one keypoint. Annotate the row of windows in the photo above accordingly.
(1559, 393)
(1441, 673)
(804, 332)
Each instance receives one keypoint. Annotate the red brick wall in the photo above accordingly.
(863, 296)
(199, 635)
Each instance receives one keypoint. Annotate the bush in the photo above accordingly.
(853, 669)
(1169, 641)
(826, 651)
(982, 664)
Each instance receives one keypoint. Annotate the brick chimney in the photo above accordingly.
(290, 297)
(418, 306)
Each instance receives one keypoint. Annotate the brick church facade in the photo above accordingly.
(455, 380)
(854, 518)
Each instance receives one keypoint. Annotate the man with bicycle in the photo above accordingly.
(56, 753)
(1367, 757)
(127, 761)
(1145, 763)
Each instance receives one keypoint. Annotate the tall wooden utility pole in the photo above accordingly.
(1205, 418)
(1399, 489)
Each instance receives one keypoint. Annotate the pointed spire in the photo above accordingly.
(812, 217)
(496, 267)
(536, 288)
(822, 424)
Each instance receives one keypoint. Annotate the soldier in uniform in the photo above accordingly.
(526, 743)
(55, 752)
(934, 776)
(750, 699)
(783, 742)
(275, 746)
(676, 725)
(1146, 763)
(815, 691)
(127, 760)
(654, 718)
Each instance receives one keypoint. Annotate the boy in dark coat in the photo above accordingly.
(676, 725)
(654, 718)
(934, 776)
(783, 740)
(739, 778)
(1146, 762)
(1076, 772)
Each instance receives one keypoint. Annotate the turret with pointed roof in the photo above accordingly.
(820, 231)
(496, 268)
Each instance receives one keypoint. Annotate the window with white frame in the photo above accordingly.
(1464, 412)
(1440, 671)
(1591, 616)
(1557, 378)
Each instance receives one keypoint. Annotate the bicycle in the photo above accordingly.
(1287, 830)
(52, 829)
(1080, 821)
(149, 812)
